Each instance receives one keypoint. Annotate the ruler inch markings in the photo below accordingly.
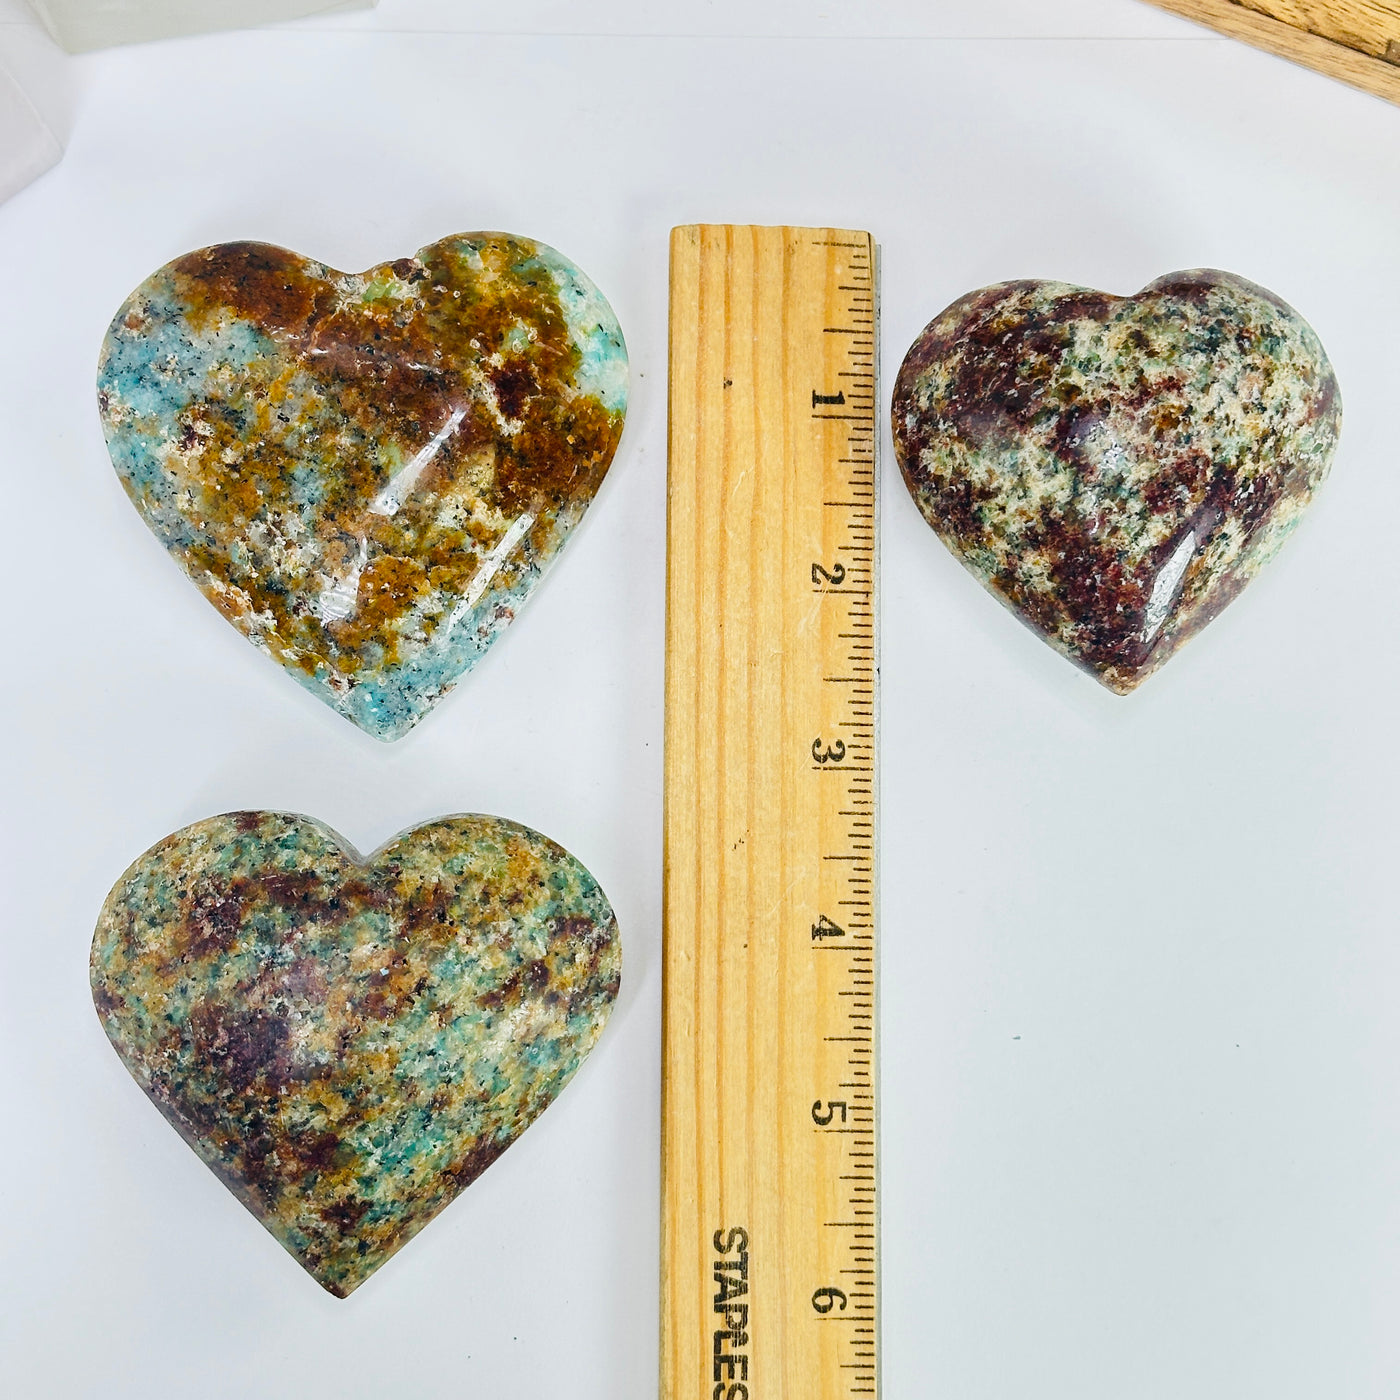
(769, 1090)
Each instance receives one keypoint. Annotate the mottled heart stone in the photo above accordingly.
(349, 1043)
(367, 473)
(1116, 469)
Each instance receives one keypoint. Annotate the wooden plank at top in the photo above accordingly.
(1369, 26)
(1339, 39)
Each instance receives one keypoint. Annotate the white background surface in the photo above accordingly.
(1141, 1130)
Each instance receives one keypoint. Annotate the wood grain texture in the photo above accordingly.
(769, 818)
(1338, 39)
(1365, 25)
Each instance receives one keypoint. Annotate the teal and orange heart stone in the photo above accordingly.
(350, 1042)
(366, 473)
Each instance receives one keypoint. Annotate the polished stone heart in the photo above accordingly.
(1116, 469)
(368, 473)
(349, 1043)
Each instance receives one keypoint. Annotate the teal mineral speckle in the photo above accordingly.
(349, 1043)
(367, 474)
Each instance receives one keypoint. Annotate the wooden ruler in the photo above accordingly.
(769, 1184)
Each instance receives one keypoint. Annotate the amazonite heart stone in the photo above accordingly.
(1116, 469)
(366, 473)
(349, 1042)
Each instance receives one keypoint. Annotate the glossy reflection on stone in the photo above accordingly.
(1116, 469)
(349, 1043)
(368, 473)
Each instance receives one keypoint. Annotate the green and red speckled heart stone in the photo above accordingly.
(349, 1043)
(1116, 469)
